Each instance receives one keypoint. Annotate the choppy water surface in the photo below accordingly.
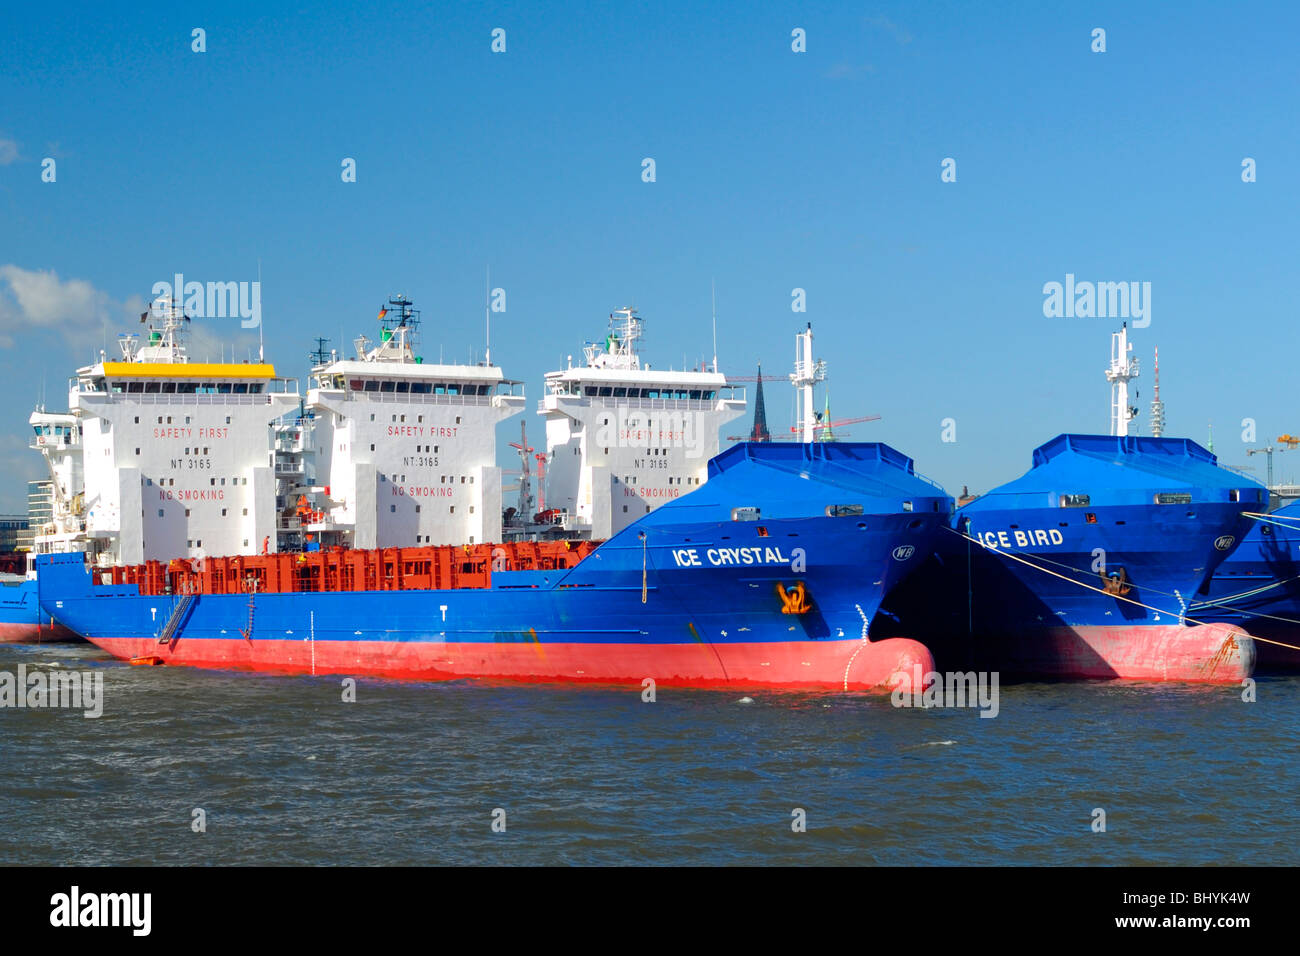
(286, 772)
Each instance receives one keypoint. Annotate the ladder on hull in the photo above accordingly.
(174, 621)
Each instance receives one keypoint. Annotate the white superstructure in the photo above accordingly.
(175, 457)
(58, 439)
(405, 452)
(622, 438)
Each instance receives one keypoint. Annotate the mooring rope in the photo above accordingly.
(1149, 607)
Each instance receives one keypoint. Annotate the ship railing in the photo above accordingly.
(651, 404)
(53, 441)
(930, 481)
(193, 398)
(419, 398)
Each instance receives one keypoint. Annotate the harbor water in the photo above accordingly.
(206, 767)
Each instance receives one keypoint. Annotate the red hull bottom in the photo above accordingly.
(1202, 653)
(815, 665)
(31, 634)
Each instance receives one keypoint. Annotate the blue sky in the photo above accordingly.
(774, 170)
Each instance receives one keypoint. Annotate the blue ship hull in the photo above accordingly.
(1258, 588)
(698, 592)
(1086, 566)
(21, 618)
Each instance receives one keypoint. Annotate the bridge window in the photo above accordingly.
(843, 511)
(1075, 501)
(1173, 498)
(745, 514)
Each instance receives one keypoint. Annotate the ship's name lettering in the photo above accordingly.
(183, 494)
(423, 431)
(204, 432)
(1028, 538)
(723, 557)
(420, 491)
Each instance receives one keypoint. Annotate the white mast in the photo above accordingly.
(806, 374)
(1123, 368)
(487, 318)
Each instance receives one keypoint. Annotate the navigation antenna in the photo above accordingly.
(321, 355)
(713, 292)
(260, 357)
(1157, 406)
(807, 373)
(487, 318)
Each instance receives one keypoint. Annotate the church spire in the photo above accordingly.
(759, 431)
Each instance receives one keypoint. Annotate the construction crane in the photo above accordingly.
(824, 427)
(1269, 450)
(525, 485)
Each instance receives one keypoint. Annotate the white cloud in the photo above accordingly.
(33, 299)
(901, 34)
(8, 151)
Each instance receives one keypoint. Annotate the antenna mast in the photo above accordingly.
(260, 357)
(1157, 406)
(713, 294)
(1123, 369)
(806, 373)
(487, 317)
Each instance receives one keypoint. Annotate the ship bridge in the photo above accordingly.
(623, 437)
(175, 457)
(406, 450)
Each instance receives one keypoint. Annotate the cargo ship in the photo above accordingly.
(765, 575)
(1087, 565)
(1258, 587)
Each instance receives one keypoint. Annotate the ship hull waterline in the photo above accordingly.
(855, 665)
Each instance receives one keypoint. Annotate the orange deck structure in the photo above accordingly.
(445, 567)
